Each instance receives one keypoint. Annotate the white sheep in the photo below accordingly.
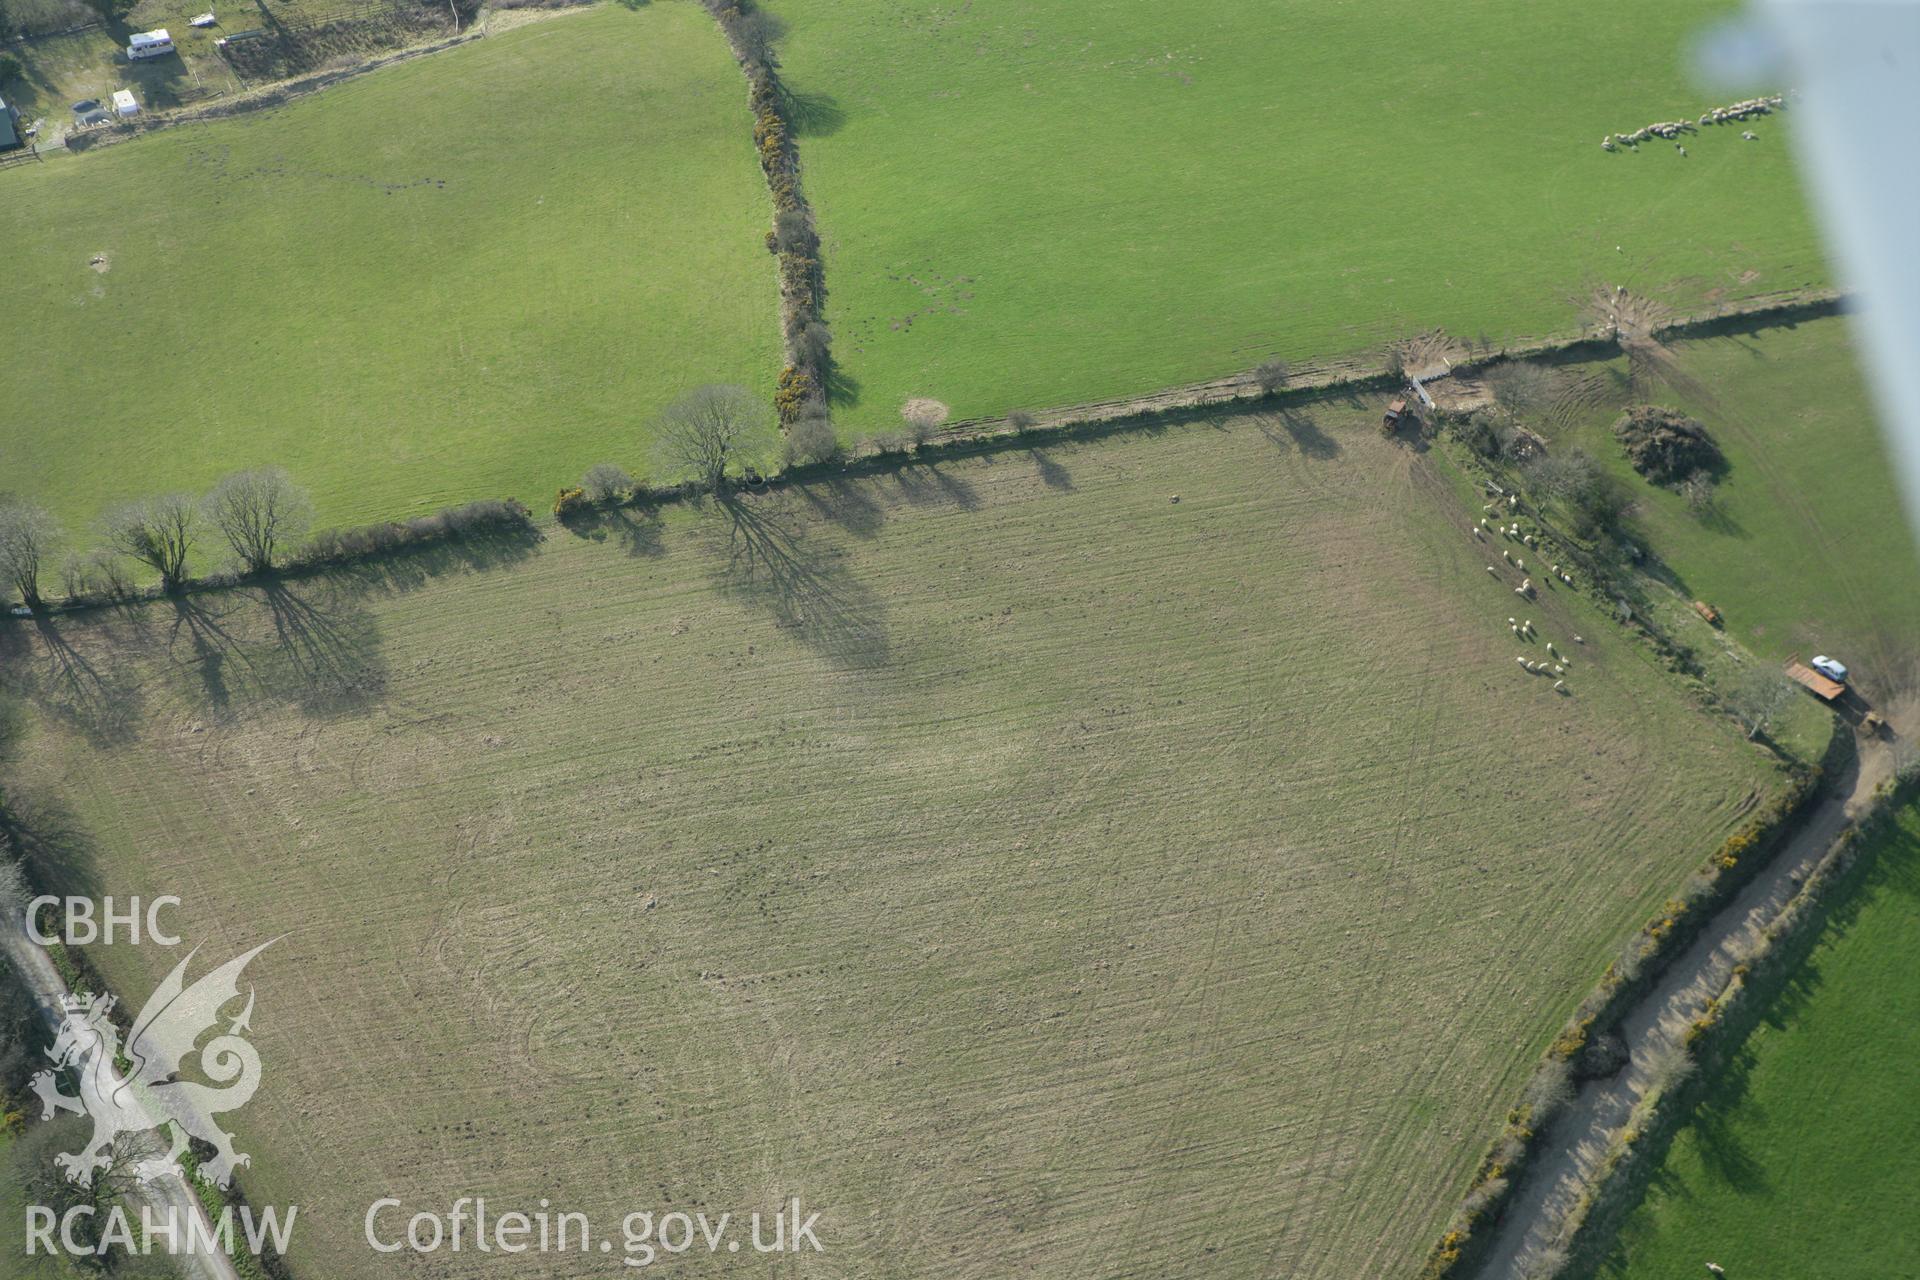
(1506, 555)
(1519, 591)
(1527, 626)
(1513, 622)
(1559, 686)
(1495, 572)
(1520, 660)
(1519, 564)
(1559, 670)
(1579, 640)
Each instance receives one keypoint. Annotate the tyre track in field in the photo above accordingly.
(1415, 781)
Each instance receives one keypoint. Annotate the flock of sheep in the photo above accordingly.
(1672, 129)
(1505, 504)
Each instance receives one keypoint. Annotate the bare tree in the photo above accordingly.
(704, 432)
(27, 538)
(106, 573)
(811, 439)
(158, 532)
(1520, 387)
(259, 512)
(1757, 698)
(1272, 375)
(1701, 492)
(605, 481)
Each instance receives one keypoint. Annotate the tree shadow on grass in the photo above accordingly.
(1052, 473)
(70, 685)
(57, 851)
(325, 656)
(310, 645)
(812, 115)
(846, 502)
(924, 484)
(1303, 432)
(767, 562)
(843, 389)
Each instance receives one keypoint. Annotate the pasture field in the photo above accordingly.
(1804, 550)
(1032, 872)
(472, 274)
(1029, 205)
(1804, 1158)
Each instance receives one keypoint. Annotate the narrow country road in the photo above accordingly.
(162, 1195)
(1579, 1138)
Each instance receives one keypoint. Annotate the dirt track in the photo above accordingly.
(1651, 1028)
(164, 1195)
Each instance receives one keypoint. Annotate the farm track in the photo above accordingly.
(169, 1197)
(1659, 1021)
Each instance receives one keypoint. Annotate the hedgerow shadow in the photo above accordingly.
(639, 530)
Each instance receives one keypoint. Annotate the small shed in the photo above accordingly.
(123, 103)
(1395, 411)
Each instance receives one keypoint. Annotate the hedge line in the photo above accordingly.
(337, 548)
(793, 238)
(1631, 1158)
(1641, 962)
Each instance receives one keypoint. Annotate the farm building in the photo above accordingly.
(9, 132)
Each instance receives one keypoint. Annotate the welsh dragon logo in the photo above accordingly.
(149, 1095)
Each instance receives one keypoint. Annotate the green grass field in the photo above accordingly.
(469, 275)
(1804, 1159)
(1036, 874)
(1806, 550)
(1037, 204)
